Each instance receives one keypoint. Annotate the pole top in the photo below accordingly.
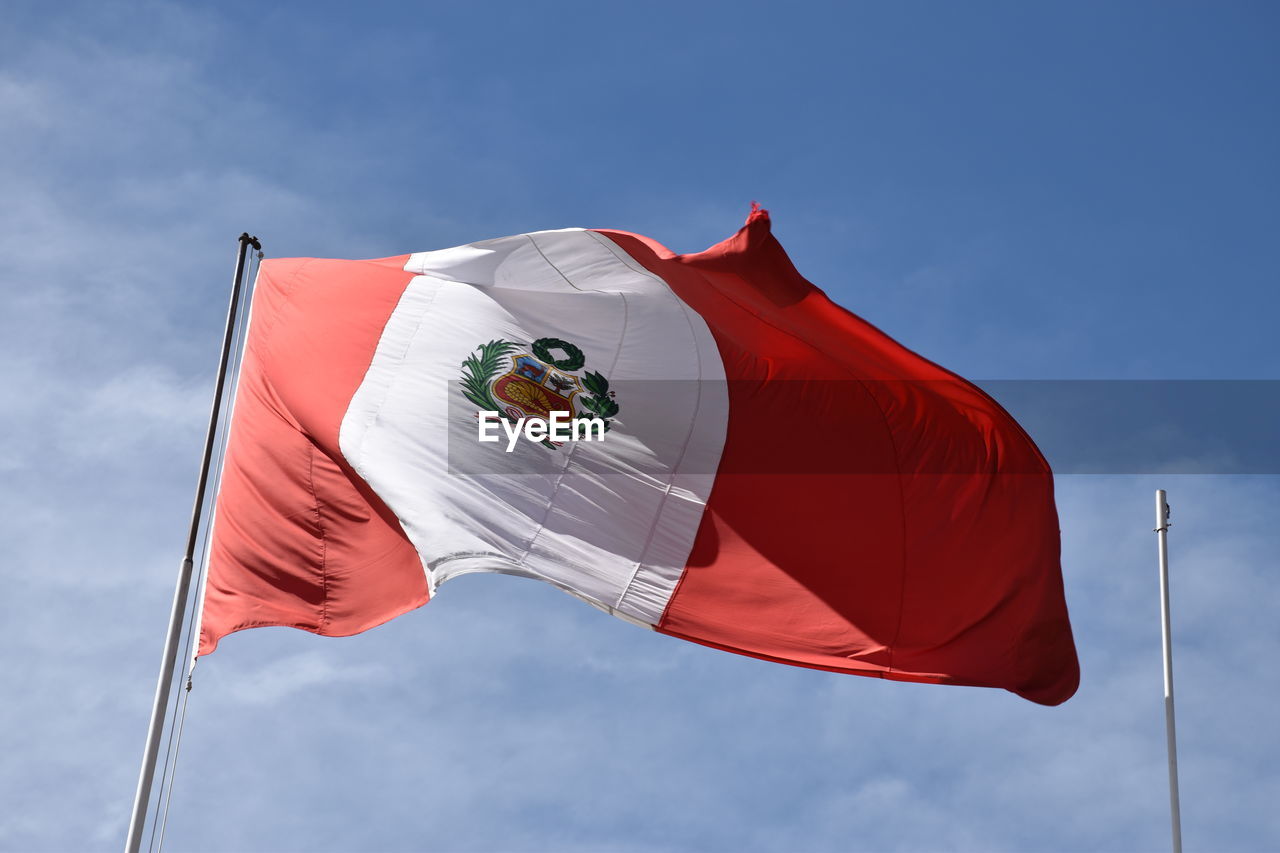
(1162, 511)
(252, 241)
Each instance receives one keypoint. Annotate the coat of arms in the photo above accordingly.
(500, 377)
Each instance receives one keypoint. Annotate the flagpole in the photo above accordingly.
(168, 661)
(1166, 635)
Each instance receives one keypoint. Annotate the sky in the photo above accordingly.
(1017, 191)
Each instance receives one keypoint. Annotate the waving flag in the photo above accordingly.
(763, 471)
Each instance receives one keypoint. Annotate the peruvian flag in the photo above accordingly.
(766, 473)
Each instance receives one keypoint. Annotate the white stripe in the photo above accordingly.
(612, 522)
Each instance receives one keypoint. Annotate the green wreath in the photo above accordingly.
(573, 357)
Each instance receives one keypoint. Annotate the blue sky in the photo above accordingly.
(1018, 191)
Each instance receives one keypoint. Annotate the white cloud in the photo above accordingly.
(278, 679)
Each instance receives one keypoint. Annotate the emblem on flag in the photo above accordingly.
(499, 377)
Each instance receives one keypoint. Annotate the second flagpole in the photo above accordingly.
(1166, 636)
(168, 660)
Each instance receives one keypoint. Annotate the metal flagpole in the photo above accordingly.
(1162, 537)
(168, 661)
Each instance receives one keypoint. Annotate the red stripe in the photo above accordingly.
(299, 539)
(902, 562)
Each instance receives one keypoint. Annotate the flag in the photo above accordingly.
(758, 470)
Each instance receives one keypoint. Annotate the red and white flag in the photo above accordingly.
(767, 474)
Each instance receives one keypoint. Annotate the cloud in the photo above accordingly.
(279, 679)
